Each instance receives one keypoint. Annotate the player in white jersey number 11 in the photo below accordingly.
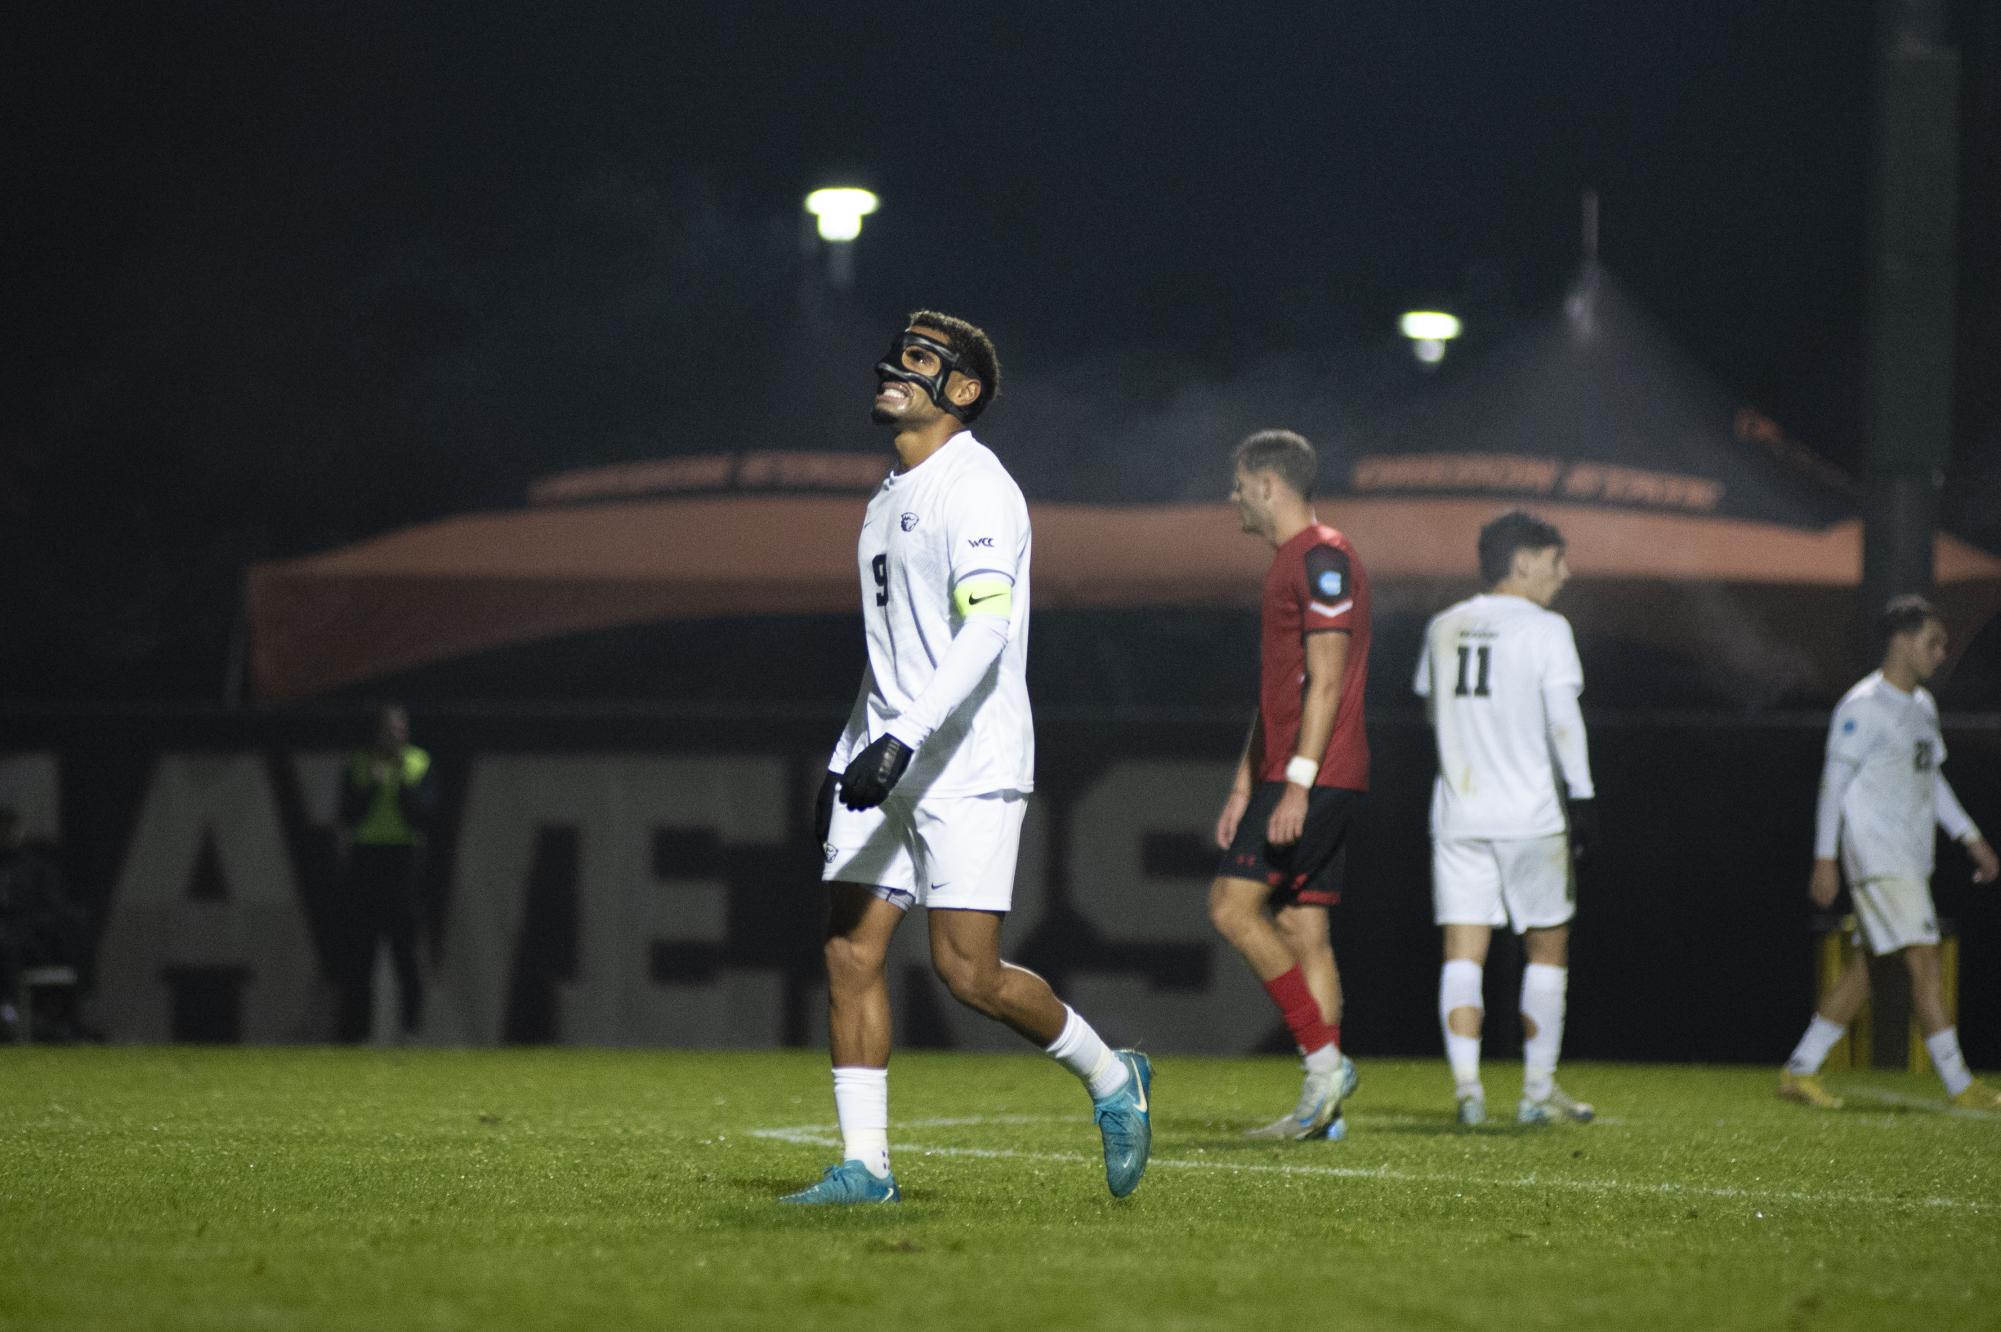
(1500, 678)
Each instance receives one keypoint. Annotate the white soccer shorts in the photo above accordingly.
(1894, 913)
(1524, 882)
(953, 852)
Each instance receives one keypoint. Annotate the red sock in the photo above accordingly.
(1302, 1014)
(1334, 1030)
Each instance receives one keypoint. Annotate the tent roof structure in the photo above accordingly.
(478, 581)
(1693, 526)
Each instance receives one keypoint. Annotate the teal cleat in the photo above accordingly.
(848, 1182)
(1125, 1122)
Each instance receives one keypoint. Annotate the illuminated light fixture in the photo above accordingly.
(1429, 331)
(1429, 326)
(840, 211)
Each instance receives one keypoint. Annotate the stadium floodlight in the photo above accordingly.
(1429, 331)
(1429, 325)
(840, 210)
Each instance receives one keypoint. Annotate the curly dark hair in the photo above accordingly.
(977, 357)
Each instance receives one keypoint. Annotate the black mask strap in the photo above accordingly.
(892, 367)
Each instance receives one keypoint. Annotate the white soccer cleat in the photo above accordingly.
(1320, 1098)
(1472, 1111)
(1555, 1108)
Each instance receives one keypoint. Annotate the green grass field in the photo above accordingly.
(214, 1189)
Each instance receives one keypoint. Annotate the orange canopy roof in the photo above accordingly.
(478, 581)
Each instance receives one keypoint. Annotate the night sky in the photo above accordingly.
(281, 276)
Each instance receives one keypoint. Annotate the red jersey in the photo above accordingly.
(1316, 585)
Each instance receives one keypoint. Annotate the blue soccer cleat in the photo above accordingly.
(848, 1182)
(1125, 1123)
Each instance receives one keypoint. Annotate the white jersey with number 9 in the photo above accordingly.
(955, 517)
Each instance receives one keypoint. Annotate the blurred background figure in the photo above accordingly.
(41, 930)
(387, 802)
(1883, 798)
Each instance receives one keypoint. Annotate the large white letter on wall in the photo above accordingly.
(616, 807)
(1226, 1013)
(212, 818)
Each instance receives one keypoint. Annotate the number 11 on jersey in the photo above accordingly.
(1466, 656)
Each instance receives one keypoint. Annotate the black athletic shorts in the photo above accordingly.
(1310, 871)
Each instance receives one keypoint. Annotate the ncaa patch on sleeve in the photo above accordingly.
(1326, 574)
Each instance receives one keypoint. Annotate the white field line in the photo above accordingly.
(818, 1135)
(1884, 1096)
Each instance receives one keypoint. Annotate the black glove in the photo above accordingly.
(823, 807)
(1583, 829)
(873, 772)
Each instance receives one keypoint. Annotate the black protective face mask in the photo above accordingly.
(892, 367)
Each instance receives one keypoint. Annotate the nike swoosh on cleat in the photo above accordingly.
(1139, 1089)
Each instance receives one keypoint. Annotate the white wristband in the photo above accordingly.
(1302, 772)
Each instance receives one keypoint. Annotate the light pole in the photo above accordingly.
(839, 210)
(1429, 331)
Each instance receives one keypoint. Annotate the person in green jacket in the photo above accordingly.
(387, 801)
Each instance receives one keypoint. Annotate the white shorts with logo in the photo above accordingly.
(1894, 913)
(1523, 882)
(954, 852)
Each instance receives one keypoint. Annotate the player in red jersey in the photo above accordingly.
(1304, 772)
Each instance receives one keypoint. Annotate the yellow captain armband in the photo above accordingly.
(984, 594)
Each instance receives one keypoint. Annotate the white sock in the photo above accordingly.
(1324, 1060)
(1084, 1052)
(1821, 1036)
(861, 1101)
(1950, 1063)
(1542, 1003)
(1459, 986)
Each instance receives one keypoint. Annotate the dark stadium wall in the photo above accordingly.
(647, 878)
(1202, 659)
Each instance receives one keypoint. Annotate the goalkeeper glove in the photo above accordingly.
(873, 772)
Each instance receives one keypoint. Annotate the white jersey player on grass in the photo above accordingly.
(1882, 792)
(1500, 676)
(933, 771)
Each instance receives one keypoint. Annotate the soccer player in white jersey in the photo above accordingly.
(1881, 795)
(923, 799)
(1500, 676)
